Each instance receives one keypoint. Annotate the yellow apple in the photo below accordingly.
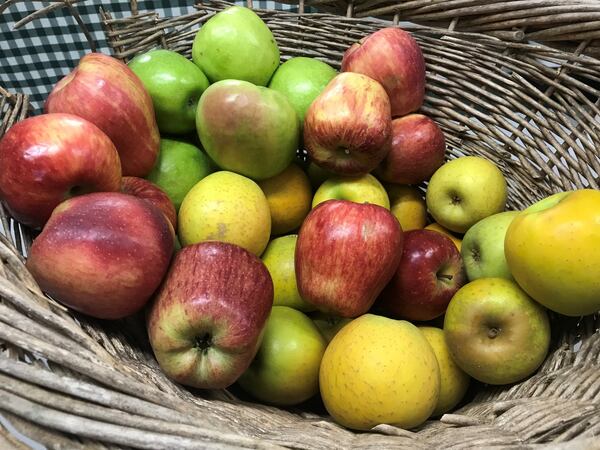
(227, 207)
(440, 229)
(553, 251)
(408, 205)
(454, 382)
(360, 189)
(379, 371)
(464, 191)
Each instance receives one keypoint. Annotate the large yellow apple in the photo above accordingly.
(553, 251)
(379, 371)
(227, 207)
(359, 189)
(454, 382)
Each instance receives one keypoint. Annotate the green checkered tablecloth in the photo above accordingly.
(34, 57)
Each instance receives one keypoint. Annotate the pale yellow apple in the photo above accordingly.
(361, 189)
(464, 191)
(227, 207)
(454, 382)
(408, 205)
(553, 251)
(278, 257)
(440, 229)
(379, 371)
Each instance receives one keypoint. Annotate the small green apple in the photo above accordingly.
(175, 84)
(301, 80)
(495, 332)
(552, 250)
(285, 370)
(235, 44)
(361, 189)
(483, 247)
(178, 168)
(464, 191)
(278, 257)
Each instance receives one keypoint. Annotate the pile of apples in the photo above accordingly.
(178, 186)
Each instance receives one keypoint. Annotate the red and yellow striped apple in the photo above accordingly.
(47, 158)
(206, 323)
(106, 92)
(348, 127)
(103, 254)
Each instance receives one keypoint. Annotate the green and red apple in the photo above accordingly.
(552, 251)
(247, 129)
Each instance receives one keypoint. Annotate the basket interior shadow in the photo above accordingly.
(532, 110)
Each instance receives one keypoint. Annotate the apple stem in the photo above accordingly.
(445, 276)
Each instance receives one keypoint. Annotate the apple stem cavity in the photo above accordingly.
(204, 342)
(493, 332)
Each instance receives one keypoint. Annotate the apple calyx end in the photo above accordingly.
(493, 332)
(203, 342)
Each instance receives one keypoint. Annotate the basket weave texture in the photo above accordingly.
(68, 381)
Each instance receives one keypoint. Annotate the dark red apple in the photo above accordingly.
(347, 129)
(150, 192)
(103, 254)
(106, 92)
(429, 274)
(392, 57)
(206, 323)
(345, 255)
(418, 150)
(47, 158)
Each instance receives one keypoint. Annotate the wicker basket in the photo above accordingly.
(68, 381)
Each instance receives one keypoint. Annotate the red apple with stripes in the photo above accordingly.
(47, 158)
(392, 57)
(103, 254)
(348, 128)
(207, 320)
(106, 92)
(150, 192)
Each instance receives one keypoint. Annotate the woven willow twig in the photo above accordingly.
(69, 381)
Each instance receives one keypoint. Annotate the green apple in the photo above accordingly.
(495, 332)
(178, 168)
(482, 247)
(175, 84)
(285, 370)
(247, 129)
(236, 44)
(301, 80)
(329, 325)
(278, 257)
(464, 191)
(552, 250)
(361, 189)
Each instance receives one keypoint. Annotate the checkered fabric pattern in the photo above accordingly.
(34, 57)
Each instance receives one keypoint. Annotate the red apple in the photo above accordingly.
(47, 158)
(103, 254)
(106, 92)
(347, 129)
(418, 150)
(345, 255)
(206, 323)
(150, 192)
(429, 274)
(392, 57)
